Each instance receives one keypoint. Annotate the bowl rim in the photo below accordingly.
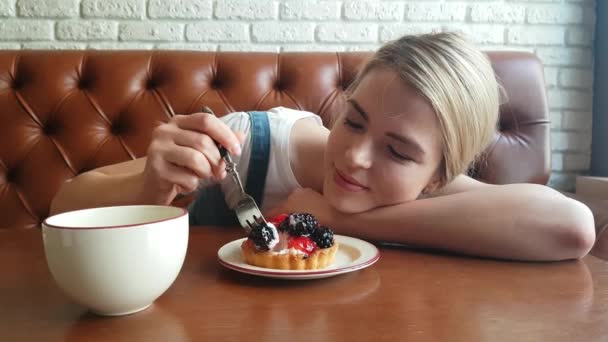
(182, 213)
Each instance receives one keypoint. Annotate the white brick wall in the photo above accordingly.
(216, 31)
(429, 11)
(560, 32)
(510, 13)
(181, 9)
(310, 10)
(373, 10)
(49, 8)
(347, 32)
(151, 31)
(119, 9)
(86, 30)
(246, 9)
(273, 32)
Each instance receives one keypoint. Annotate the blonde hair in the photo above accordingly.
(458, 81)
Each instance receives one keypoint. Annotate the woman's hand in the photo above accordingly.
(308, 201)
(182, 152)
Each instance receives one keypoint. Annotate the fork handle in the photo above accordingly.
(223, 150)
(230, 165)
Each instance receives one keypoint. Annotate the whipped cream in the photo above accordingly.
(289, 251)
(274, 242)
(281, 247)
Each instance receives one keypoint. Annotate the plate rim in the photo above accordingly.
(302, 273)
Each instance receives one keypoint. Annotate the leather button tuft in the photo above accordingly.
(216, 83)
(84, 83)
(17, 84)
(11, 176)
(117, 128)
(151, 84)
(50, 128)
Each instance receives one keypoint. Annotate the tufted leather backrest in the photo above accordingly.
(65, 112)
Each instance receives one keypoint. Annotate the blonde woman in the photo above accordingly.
(392, 168)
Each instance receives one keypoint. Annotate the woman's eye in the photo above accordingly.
(397, 155)
(350, 123)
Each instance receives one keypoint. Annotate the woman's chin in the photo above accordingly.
(346, 205)
(344, 202)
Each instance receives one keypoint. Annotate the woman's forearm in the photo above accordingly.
(95, 189)
(518, 221)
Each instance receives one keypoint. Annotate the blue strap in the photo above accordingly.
(260, 155)
(210, 206)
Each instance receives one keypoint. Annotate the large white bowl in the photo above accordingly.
(116, 260)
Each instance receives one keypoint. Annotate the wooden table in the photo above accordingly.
(407, 295)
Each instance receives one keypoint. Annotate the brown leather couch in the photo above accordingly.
(66, 112)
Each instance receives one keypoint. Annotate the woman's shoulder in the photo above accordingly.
(290, 115)
(277, 116)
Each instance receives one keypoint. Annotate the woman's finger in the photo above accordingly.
(186, 180)
(201, 143)
(190, 159)
(211, 125)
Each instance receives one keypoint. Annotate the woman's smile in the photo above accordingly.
(347, 183)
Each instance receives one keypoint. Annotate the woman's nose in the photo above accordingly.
(359, 154)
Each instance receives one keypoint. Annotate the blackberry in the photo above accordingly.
(300, 224)
(284, 226)
(262, 236)
(323, 237)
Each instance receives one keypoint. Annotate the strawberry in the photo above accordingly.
(302, 243)
(276, 220)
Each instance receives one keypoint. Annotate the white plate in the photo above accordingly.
(352, 255)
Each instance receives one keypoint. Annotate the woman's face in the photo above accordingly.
(384, 149)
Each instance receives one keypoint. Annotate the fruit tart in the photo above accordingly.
(290, 242)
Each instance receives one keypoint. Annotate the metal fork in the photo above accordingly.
(247, 211)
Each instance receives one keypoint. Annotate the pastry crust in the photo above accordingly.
(320, 258)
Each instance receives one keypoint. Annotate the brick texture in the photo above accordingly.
(7, 8)
(282, 32)
(119, 9)
(217, 31)
(86, 30)
(151, 31)
(181, 9)
(246, 9)
(48, 9)
(372, 10)
(309, 10)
